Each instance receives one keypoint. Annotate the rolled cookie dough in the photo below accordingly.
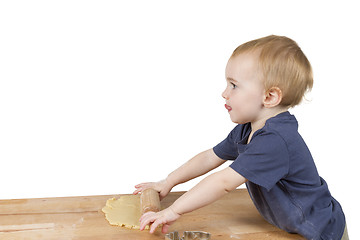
(124, 212)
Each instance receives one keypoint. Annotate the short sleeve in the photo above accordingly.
(264, 161)
(227, 149)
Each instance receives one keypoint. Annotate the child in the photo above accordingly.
(265, 77)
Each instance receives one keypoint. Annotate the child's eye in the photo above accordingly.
(233, 85)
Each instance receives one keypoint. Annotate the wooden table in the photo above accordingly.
(232, 217)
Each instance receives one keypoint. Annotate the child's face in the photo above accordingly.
(244, 92)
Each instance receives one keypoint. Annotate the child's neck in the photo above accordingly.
(264, 115)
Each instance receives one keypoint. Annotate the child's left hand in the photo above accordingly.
(165, 217)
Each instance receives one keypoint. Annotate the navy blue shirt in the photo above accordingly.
(283, 181)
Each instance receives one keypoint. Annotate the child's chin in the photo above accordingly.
(237, 121)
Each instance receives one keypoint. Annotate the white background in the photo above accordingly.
(97, 96)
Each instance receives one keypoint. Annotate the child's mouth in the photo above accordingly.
(228, 107)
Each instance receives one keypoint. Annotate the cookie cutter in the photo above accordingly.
(188, 235)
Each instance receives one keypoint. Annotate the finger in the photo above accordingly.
(143, 225)
(162, 195)
(154, 225)
(145, 215)
(165, 228)
(146, 219)
(137, 191)
(140, 185)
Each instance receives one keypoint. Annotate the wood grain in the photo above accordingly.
(232, 217)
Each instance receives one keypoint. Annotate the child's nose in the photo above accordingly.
(225, 94)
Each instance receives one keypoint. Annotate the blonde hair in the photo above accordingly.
(283, 65)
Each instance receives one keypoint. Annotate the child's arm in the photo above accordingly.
(207, 191)
(195, 167)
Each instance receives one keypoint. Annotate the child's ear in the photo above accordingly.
(272, 97)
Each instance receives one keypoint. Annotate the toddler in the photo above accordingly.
(265, 77)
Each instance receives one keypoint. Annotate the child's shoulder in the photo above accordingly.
(282, 123)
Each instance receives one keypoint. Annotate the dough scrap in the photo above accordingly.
(124, 212)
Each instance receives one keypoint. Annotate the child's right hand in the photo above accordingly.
(163, 187)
